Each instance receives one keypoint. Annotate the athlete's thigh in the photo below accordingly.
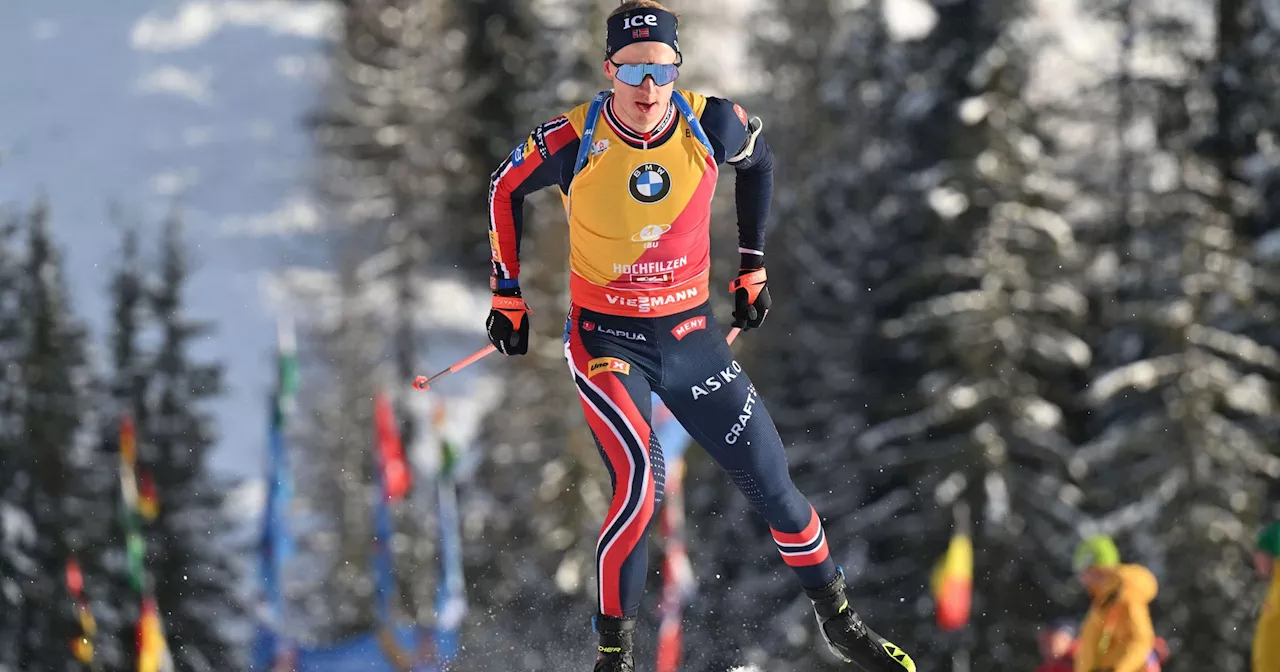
(612, 381)
(711, 394)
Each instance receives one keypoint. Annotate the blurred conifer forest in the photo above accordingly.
(1025, 264)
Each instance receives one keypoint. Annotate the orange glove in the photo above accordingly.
(750, 298)
(508, 325)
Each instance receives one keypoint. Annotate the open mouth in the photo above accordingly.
(646, 108)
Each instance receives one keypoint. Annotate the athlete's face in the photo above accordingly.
(641, 107)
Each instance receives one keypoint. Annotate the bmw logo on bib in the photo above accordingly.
(650, 183)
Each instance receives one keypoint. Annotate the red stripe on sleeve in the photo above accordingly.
(502, 219)
(506, 196)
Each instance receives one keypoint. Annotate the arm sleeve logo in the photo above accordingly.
(522, 152)
(495, 252)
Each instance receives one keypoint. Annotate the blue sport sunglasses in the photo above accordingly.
(633, 74)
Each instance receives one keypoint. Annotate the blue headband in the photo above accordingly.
(642, 25)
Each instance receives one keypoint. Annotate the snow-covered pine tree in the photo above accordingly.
(17, 530)
(51, 376)
(386, 158)
(100, 555)
(547, 526)
(1247, 111)
(188, 555)
(1180, 447)
(981, 352)
(337, 343)
(910, 219)
(1252, 87)
(1246, 149)
(823, 104)
(125, 385)
(504, 63)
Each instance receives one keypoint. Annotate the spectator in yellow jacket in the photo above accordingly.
(1116, 635)
(1266, 638)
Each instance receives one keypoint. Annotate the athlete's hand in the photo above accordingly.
(750, 298)
(508, 323)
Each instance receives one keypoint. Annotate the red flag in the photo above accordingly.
(149, 501)
(128, 440)
(675, 591)
(670, 645)
(395, 471)
(678, 581)
(75, 580)
(81, 645)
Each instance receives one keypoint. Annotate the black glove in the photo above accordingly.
(750, 298)
(508, 325)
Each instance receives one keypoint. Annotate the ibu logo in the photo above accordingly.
(649, 183)
(650, 234)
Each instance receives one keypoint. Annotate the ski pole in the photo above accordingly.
(424, 383)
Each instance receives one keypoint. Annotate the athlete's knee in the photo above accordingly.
(634, 502)
(763, 477)
(652, 500)
(774, 496)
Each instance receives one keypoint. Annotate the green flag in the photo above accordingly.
(286, 371)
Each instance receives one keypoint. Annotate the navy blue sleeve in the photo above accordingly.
(729, 131)
(545, 158)
(567, 158)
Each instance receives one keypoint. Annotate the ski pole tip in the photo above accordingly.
(420, 383)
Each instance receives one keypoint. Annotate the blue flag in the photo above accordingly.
(451, 597)
(275, 544)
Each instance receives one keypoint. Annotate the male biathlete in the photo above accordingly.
(636, 168)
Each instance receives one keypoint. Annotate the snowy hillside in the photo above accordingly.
(141, 103)
(146, 103)
(199, 101)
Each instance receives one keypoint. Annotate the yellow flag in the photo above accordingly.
(153, 651)
(952, 583)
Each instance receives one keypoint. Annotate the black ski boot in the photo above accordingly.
(849, 638)
(615, 650)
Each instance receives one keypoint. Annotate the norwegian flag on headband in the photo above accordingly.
(639, 33)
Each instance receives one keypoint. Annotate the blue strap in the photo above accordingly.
(588, 130)
(687, 110)
(593, 115)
